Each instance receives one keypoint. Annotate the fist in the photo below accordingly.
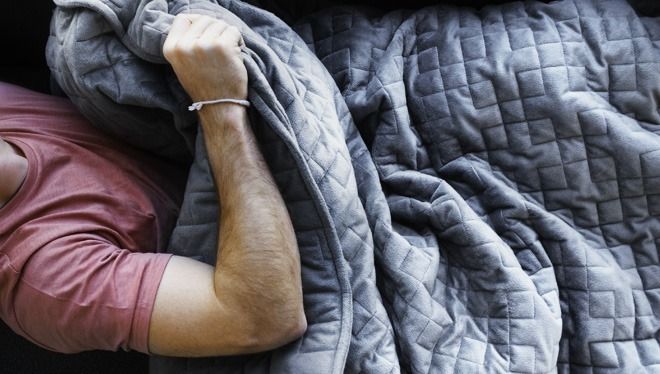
(205, 54)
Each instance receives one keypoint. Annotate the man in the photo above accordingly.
(81, 214)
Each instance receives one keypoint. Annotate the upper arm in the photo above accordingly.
(186, 316)
(190, 320)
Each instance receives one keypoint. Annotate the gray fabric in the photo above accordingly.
(472, 191)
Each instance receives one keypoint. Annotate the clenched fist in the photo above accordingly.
(206, 56)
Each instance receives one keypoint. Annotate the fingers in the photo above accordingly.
(233, 36)
(198, 35)
(213, 32)
(180, 25)
(196, 29)
(190, 30)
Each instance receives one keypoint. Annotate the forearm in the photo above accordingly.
(252, 300)
(258, 265)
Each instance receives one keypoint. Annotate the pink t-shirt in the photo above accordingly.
(78, 268)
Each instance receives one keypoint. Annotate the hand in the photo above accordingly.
(205, 54)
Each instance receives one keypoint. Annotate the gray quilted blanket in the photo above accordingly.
(472, 190)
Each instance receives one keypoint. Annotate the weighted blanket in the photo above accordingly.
(472, 190)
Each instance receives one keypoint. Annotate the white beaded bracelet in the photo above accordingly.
(198, 105)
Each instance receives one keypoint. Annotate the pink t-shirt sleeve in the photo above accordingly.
(79, 241)
(80, 293)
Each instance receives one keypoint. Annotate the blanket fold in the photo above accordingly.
(472, 190)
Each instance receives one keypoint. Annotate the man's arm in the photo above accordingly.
(252, 300)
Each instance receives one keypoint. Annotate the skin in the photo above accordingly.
(252, 300)
(13, 169)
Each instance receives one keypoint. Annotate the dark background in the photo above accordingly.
(23, 35)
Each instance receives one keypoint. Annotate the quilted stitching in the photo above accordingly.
(565, 165)
(504, 216)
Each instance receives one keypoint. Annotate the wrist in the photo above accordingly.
(223, 115)
(211, 95)
(203, 89)
(226, 110)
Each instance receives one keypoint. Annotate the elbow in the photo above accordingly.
(296, 329)
(279, 332)
(273, 328)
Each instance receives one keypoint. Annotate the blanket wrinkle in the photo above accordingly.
(472, 190)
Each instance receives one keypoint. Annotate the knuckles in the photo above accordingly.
(183, 47)
(200, 48)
